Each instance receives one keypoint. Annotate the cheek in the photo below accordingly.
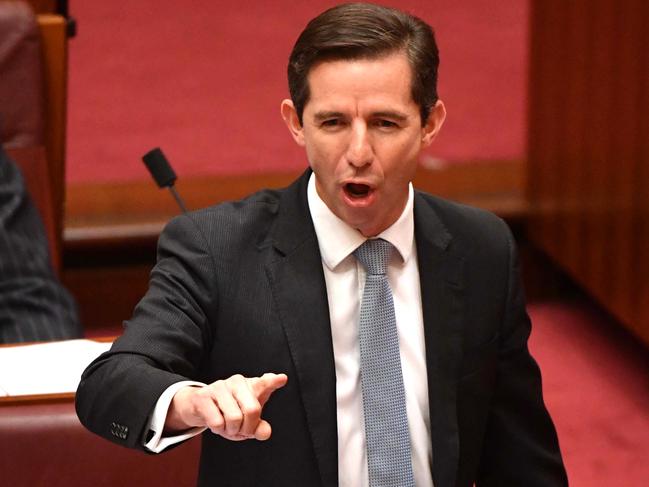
(403, 159)
(411, 146)
(323, 158)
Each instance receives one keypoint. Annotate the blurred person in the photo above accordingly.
(34, 305)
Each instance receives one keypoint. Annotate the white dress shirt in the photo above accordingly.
(345, 280)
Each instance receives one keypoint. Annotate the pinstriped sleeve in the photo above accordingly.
(34, 306)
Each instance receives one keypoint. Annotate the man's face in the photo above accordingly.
(363, 134)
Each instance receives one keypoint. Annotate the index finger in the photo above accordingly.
(265, 385)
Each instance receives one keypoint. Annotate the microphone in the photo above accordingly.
(163, 173)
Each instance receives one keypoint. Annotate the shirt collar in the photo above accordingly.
(337, 239)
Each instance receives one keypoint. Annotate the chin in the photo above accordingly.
(362, 226)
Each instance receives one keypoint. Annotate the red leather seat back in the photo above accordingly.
(45, 445)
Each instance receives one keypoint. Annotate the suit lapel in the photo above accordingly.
(299, 290)
(441, 295)
(297, 282)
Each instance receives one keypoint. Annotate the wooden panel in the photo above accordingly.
(33, 164)
(593, 265)
(111, 229)
(587, 169)
(106, 296)
(55, 65)
(640, 206)
(543, 141)
(43, 6)
(113, 212)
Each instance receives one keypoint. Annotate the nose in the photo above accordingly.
(359, 151)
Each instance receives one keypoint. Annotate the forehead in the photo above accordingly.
(383, 80)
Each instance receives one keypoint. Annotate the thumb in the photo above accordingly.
(263, 431)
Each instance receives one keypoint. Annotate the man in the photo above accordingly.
(34, 306)
(262, 302)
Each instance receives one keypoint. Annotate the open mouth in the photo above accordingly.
(357, 190)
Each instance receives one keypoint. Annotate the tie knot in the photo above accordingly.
(374, 255)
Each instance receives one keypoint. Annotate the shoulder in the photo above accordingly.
(459, 217)
(20, 221)
(250, 211)
(12, 187)
(229, 225)
(265, 214)
(467, 227)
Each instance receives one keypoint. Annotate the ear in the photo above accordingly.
(434, 123)
(289, 114)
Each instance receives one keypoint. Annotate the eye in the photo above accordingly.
(333, 122)
(385, 124)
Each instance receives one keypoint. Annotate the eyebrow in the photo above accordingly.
(327, 114)
(390, 114)
(324, 115)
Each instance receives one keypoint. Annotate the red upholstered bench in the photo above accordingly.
(43, 444)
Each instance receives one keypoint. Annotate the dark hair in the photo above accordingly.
(366, 31)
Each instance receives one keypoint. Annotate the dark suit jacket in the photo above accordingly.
(239, 288)
(33, 304)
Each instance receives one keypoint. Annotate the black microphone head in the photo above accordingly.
(159, 167)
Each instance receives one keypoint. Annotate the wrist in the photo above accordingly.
(178, 415)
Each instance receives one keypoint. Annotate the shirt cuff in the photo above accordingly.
(155, 426)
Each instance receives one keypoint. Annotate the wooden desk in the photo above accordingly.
(42, 443)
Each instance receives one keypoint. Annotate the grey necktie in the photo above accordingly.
(384, 402)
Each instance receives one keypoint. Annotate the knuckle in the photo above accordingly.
(251, 409)
(233, 382)
(215, 424)
(202, 393)
(233, 417)
(196, 402)
(213, 389)
(236, 381)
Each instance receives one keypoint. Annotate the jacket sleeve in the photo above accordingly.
(34, 306)
(163, 343)
(521, 445)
